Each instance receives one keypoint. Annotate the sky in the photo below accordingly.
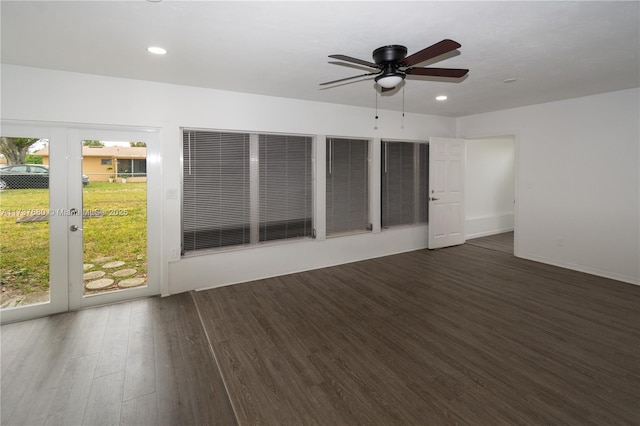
(44, 142)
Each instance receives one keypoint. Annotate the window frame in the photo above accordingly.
(255, 240)
(419, 212)
(368, 143)
(123, 165)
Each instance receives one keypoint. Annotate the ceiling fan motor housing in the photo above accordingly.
(389, 54)
(387, 58)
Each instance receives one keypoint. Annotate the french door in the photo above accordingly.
(81, 238)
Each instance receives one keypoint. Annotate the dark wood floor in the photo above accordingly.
(145, 362)
(464, 335)
(501, 242)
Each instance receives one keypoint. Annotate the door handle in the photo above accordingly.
(74, 228)
(434, 199)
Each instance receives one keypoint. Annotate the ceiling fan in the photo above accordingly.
(392, 64)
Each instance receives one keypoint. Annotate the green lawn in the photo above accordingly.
(24, 247)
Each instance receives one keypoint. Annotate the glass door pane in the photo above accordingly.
(114, 222)
(24, 223)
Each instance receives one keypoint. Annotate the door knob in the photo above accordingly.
(74, 228)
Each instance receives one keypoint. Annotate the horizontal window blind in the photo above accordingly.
(285, 187)
(241, 188)
(404, 188)
(215, 210)
(347, 185)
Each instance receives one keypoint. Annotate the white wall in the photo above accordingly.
(54, 96)
(489, 186)
(577, 160)
(578, 180)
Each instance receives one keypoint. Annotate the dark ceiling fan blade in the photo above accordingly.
(432, 51)
(354, 60)
(348, 78)
(438, 72)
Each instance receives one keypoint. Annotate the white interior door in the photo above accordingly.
(446, 192)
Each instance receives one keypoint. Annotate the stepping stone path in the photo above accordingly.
(124, 272)
(28, 299)
(99, 284)
(101, 280)
(131, 282)
(94, 275)
(94, 281)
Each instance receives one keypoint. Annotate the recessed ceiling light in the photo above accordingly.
(157, 50)
(509, 80)
(441, 98)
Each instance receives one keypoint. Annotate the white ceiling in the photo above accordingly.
(555, 49)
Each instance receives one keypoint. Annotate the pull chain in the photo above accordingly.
(402, 123)
(376, 104)
(375, 125)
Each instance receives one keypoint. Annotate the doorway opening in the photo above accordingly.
(490, 215)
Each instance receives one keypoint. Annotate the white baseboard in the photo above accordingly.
(487, 233)
(585, 269)
(476, 227)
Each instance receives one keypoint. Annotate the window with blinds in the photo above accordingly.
(404, 188)
(285, 187)
(347, 186)
(242, 189)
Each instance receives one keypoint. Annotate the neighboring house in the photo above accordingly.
(103, 162)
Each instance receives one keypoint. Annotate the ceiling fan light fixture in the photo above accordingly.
(389, 81)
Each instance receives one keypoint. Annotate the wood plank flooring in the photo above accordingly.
(145, 362)
(501, 242)
(464, 335)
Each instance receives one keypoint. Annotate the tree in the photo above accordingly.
(33, 159)
(15, 149)
(92, 143)
(137, 144)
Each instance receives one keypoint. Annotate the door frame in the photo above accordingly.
(515, 134)
(66, 284)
